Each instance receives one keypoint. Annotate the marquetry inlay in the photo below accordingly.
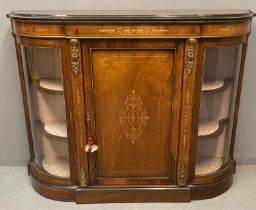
(133, 30)
(187, 119)
(133, 117)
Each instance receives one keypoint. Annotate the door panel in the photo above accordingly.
(132, 91)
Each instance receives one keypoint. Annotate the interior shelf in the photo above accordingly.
(50, 86)
(213, 85)
(211, 128)
(207, 165)
(55, 130)
(56, 166)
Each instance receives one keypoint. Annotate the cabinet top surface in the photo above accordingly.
(128, 15)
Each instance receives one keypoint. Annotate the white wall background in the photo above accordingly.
(13, 139)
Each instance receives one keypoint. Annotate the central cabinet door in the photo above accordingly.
(132, 104)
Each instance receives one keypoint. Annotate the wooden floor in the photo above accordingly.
(17, 193)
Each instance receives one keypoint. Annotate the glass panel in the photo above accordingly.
(44, 87)
(221, 72)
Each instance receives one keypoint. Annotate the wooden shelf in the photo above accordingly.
(213, 85)
(55, 130)
(209, 129)
(50, 86)
(56, 166)
(207, 165)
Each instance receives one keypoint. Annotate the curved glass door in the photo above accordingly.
(44, 89)
(219, 88)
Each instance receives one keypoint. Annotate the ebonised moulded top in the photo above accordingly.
(134, 15)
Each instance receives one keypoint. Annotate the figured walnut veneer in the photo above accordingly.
(132, 84)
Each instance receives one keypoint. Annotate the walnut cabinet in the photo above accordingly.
(125, 106)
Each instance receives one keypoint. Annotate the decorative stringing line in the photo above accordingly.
(133, 117)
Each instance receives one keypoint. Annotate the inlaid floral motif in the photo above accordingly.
(133, 117)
